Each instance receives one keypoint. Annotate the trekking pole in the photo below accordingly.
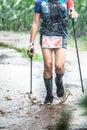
(77, 55)
(31, 71)
(31, 76)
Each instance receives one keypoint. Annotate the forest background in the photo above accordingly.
(17, 15)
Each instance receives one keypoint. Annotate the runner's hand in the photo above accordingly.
(73, 14)
(30, 51)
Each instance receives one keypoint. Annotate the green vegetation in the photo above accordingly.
(37, 57)
(84, 38)
(64, 122)
(17, 15)
(83, 103)
(81, 23)
(70, 41)
(83, 47)
(82, 42)
(10, 46)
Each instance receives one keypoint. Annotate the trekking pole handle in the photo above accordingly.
(73, 19)
(32, 50)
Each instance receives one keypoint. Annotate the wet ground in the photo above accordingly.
(16, 110)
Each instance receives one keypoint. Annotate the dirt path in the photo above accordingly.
(17, 112)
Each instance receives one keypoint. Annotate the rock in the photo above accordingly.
(38, 100)
(2, 112)
(37, 116)
(34, 101)
(41, 104)
(33, 97)
(8, 90)
(8, 97)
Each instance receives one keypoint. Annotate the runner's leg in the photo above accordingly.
(47, 57)
(60, 57)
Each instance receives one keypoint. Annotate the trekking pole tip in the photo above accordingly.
(30, 92)
(83, 90)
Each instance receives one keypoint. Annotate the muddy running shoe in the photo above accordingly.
(60, 89)
(65, 96)
(48, 99)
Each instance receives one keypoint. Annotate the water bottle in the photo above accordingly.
(44, 7)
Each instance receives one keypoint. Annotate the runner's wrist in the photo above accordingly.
(31, 43)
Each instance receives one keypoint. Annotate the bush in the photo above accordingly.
(16, 14)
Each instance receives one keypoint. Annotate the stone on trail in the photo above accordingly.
(8, 97)
(2, 111)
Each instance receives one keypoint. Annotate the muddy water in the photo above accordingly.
(17, 112)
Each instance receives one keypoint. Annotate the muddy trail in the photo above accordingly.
(17, 112)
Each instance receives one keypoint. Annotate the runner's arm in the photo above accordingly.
(34, 28)
(33, 33)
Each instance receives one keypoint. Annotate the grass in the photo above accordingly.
(81, 42)
(64, 122)
(10, 46)
(84, 38)
(71, 42)
(83, 102)
(37, 57)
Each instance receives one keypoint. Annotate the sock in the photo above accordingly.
(59, 84)
(48, 85)
(58, 79)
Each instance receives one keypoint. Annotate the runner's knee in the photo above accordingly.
(48, 67)
(59, 68)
